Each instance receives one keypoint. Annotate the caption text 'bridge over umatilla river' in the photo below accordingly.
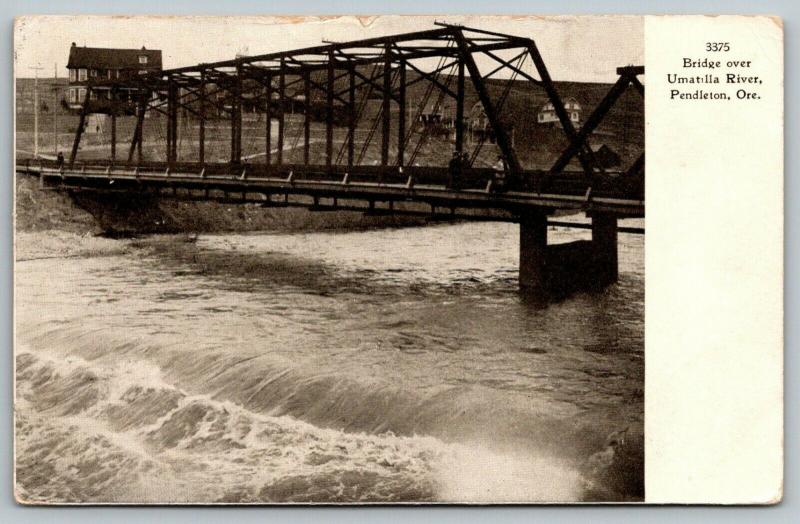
(338, 97)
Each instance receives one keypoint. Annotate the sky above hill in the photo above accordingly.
(585, 49)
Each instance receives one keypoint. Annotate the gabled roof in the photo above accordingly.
(570, 100)
(108, 58)
(596, 148)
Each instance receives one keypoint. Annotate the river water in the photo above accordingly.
(380, 366)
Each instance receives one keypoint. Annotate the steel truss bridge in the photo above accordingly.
(359, 91)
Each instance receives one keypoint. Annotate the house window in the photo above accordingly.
(142, 59)
(73, 96)
(574, 117)
(81, 75)
(81, 95)
(93, 72)
(72, 75)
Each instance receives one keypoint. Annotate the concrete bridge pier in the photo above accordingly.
(561, 269)
(533, 274)
(604, 242)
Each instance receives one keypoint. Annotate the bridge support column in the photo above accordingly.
(533, 251)
(604, 242)
(560, 269)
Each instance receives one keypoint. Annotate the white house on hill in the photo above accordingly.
(547, 114)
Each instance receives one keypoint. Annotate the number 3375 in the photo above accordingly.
(718, 46)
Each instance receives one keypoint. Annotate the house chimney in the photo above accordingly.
(73, 44)
(143, 49)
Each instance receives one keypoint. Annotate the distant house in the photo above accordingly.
(438, 112)
(605, 157)
(94, 64)
(477, 119)
(480, 129)
(547, 114)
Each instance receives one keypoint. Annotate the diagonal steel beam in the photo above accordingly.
(579, 139)
(503, 141)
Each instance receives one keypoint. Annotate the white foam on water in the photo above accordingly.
(200, 447)
(474, 474)
(200, 450)
(215, 450)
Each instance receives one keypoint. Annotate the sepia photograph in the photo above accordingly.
(329, 260)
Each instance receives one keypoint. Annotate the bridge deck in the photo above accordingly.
(326, 189)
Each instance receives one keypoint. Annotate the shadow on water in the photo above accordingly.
(237, 271)
(272, 270)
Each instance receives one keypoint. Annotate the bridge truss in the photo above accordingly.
(332, 83)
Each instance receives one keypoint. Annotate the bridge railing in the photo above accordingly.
(610, 184)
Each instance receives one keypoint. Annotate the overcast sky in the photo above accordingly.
(574, 48)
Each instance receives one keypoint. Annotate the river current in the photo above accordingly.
(398, 365)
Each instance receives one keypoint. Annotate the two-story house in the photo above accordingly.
(547, 114)
(93, 64)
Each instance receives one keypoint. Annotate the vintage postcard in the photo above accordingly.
(398, 259)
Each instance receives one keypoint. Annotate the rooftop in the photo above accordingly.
(109, 58)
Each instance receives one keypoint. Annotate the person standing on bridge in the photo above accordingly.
(500, 167)
(454, 170)
(465, 163)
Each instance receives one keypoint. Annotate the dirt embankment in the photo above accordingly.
(41, 210)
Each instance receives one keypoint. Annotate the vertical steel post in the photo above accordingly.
(281, 109)
(307, 118)
(112, 102)
(143, 106)
(168, 152)
(113, 137)
(387, 85)
(36, 112)
(236, 117)
(175, 118)
(172, 122)
(460, 108)
(268, 110)
(55, 112)
(201, 139)
(329, 112)
(401, 123)
(352, 122)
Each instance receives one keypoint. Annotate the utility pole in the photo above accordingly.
(36, 111)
